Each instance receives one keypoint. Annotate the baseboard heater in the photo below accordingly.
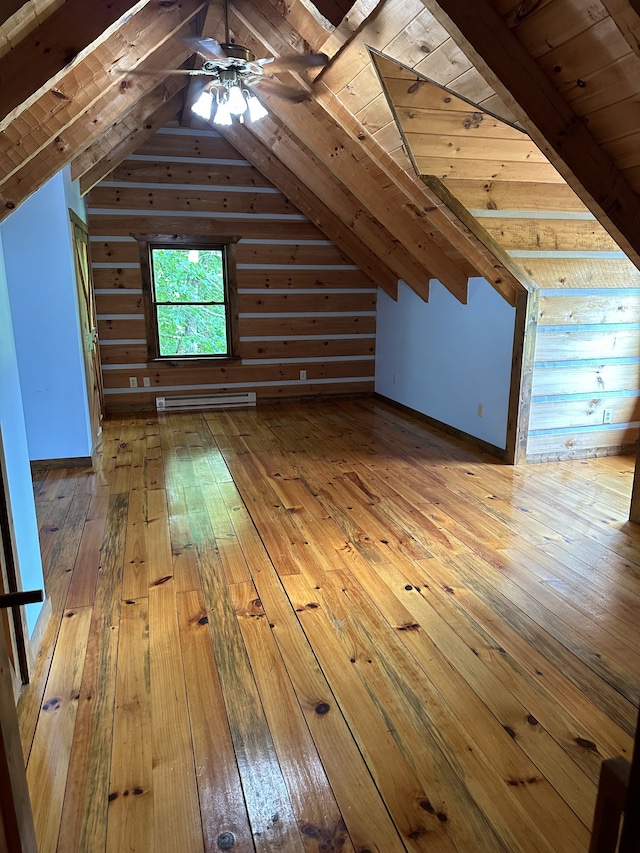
(205, 401)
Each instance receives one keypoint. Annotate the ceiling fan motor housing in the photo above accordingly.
(237, 51)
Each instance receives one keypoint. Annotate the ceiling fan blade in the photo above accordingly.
(207, 48)
(275, 87)
(152, 72)
(294, 62)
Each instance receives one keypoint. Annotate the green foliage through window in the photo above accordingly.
(190, 301)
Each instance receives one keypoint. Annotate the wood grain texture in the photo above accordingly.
(350, 633)
(279, 256)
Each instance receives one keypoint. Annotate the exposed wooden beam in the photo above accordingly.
(86, 129)
(100, 72)
(472, 239)
(493, 48)
(323, 184)
(124, 138)
(56, 43)
(347, 159)
(288, 183)
(451, 219)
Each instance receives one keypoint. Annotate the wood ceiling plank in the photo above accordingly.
(283, 38)
(616, 121)
(383, 24)
(135, 122)
(407, 89)
(472, 86)
(360, 91)
(617, 82)
(444, 64)
(470, 147)
(469, 123)
(417, 39)
(549, 235)
(86, 82)
(486, 170)
(585, 54)
(451, 224)
(85, 130)
(553, 125)
(121, 146)
(627, 20)
(496, 105)
(515, 195)
(41, 56)
(551, 24)
(375, 115)
(303, 20)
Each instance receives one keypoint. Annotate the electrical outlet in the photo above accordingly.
(133, 382)
(480, 410)
(606, 416)
(146, 381)
(394, 379)
(303, 374)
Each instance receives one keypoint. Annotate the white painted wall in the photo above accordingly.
(14, 438)
(443, 359)
(38, 254)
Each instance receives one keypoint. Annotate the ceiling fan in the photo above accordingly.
(233, 74)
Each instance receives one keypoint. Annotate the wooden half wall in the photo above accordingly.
(302, 304)
(586, 374)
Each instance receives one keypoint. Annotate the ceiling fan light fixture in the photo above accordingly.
(256, 110)
(223, 114)
(236, 103)
(204, 105)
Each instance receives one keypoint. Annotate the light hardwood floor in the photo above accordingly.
(325, 627)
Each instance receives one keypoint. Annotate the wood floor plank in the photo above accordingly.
(508, 647)
(320, 626)
(314, 805)
(174, 776)
(49, 759)
(454, 670)
(423, 795)
(130, 813)
(84, 818)
(431, 708)
(363, 810)
(135, 581)
(222, 808)
(58, 568)
(268, 804)
(82, 588)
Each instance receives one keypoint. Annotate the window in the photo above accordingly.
(189, 288)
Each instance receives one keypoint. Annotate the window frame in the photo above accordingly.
(148, 242)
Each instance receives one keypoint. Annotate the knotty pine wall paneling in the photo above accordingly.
(302, 304)
(587, 362)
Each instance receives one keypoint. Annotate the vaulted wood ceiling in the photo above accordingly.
(566, 72)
